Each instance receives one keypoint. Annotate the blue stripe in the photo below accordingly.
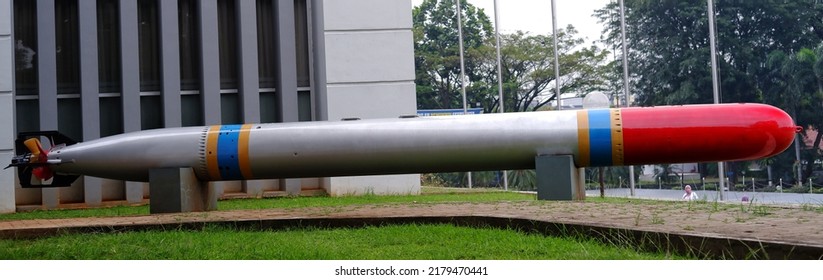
(227, 160)
(600, 137)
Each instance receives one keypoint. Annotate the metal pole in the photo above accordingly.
(462, 71)
(556, 60)
(799, 165)
(626, 78)
(499, 80)
(716, 90)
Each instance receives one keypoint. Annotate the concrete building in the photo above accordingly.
(93, 68)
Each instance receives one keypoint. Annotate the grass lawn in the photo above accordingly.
(403, 242)
(394, 242)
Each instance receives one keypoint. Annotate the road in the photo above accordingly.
(755, 197)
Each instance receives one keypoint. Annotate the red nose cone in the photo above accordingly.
(705, 133)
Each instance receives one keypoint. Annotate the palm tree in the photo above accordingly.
(796, 84)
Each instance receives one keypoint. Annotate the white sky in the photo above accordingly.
(535, 15)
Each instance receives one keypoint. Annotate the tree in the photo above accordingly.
(436, 48)
(669, 46)
(669, 52)
(795, 83)
(527, 64)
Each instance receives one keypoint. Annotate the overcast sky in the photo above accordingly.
(535, 15)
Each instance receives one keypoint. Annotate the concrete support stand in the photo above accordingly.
(134, 192)
(558, 178)
(254, 188)
(291, 186)
(176, 190)
(93, 191)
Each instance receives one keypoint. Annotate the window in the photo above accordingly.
(301, 34)
(266, 48)
(68, 47)
(149, 45)
(108, 45)
(227, 37)
(189, 45)
(25, 48)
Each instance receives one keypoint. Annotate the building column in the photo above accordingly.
(318, 44)
(170, 58)
(286, 86)
(47, 81)
(7, 203)
(89, 90)
(369, 73)
(209, 64)
(249, 84)
(130, 92)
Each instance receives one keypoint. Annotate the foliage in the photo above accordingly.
(795, 83)
(437, 56)
(527, 62)
(768, 51)
(527, 66)
(669, 46)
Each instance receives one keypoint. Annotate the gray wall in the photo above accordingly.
(369, 56)
(361, 66)
(6, 107)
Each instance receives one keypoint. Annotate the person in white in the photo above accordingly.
(689, 194)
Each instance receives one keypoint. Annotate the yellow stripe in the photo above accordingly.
(583, 153)
(617, 137)
(243, 151)
(211, 152)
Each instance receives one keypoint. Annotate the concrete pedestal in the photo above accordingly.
(291, 186)
(176, 190)
(559, 179)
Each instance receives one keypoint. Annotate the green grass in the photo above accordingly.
(116, 211)
(396, 242)
(389, 242)
(283, 203)
(302, 202)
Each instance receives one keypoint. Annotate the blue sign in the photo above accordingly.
(448, 112)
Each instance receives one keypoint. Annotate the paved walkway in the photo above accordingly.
(772, 198)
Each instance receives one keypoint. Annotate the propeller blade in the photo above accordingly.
(34, 146)
(38, 155)
(32, 159)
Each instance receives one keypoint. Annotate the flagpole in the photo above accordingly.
(500, 99)
(626, 79)
(462, 72)
(556, 60)
(721, 176)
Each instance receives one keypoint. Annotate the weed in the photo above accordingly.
(739, 217)
(811, 207)
(657, 220)
(761, 210)
(637, 219)
(716, 206)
